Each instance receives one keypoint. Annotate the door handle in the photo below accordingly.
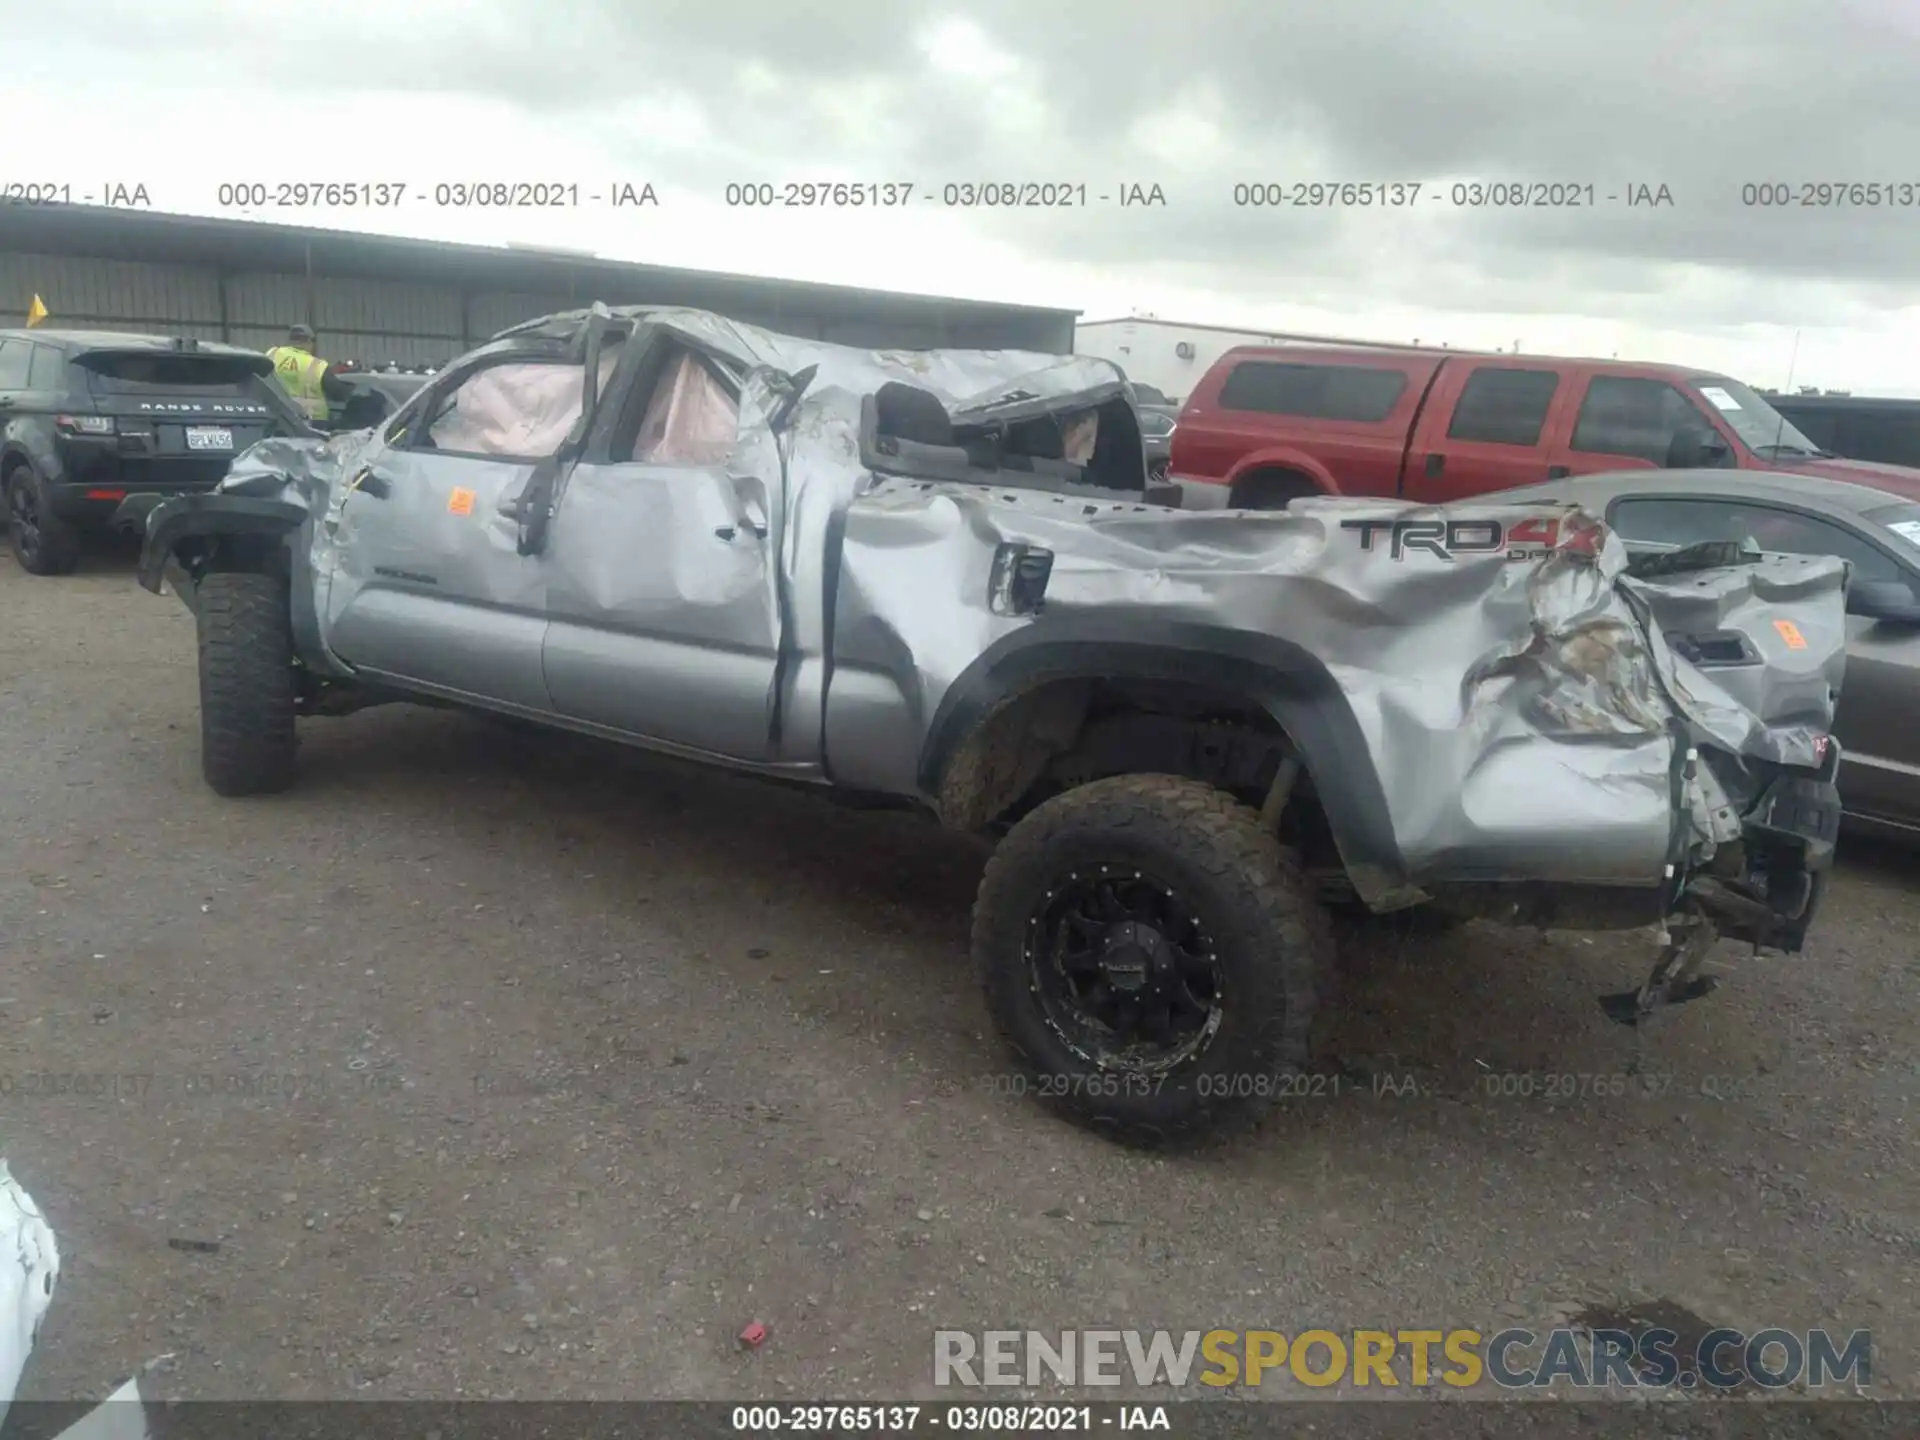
(1435, 464)
(1558, 472)
(731, 532)
(370, 482)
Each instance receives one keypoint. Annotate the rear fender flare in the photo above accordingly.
(1288, 682)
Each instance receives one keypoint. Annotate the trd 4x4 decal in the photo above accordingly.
(1530, 539)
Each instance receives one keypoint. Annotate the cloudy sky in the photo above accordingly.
(1704, 97)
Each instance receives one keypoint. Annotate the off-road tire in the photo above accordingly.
(247, 738)
(1272, 938)
(55, 549)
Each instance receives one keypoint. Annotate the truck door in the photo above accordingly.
(428, 585)
(1483, 430)
(662, 578)
(1634, 423)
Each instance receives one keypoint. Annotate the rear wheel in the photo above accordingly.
(1152, 958)
(247, 689)
(42, 542)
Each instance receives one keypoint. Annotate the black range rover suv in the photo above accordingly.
(89, 419)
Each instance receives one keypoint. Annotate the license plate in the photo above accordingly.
(209, 437)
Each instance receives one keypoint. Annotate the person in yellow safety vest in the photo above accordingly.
(304, 376)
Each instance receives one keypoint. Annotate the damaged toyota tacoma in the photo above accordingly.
(933, 576)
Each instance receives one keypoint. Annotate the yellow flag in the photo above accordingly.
(36, 312)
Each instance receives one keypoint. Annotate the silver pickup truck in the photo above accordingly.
(934, 576)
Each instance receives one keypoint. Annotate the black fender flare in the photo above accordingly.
(30, 450)
(189, 517)
(1287, 681)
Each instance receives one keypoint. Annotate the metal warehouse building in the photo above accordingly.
(379, 299)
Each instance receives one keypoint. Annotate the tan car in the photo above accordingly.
(1878, 530)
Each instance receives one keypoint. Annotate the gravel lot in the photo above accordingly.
(515, 1067)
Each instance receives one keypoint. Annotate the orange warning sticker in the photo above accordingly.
(1790, 633)
(460, 502)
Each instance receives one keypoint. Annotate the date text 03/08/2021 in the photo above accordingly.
(1457, 195)
(1003, 1419)
(1280, 194)
(1279, 1085)
(978, 194)
(468, 194)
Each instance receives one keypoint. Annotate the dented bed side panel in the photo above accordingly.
(1521, 715)
(1505, 680)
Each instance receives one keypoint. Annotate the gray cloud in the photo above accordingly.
(1702, 97)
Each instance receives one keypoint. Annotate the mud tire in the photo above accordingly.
(1273, 943)
(247, 738)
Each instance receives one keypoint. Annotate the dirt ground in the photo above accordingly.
(497, 1067)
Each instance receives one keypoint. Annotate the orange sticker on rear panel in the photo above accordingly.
(1790, 633)
(460, 502)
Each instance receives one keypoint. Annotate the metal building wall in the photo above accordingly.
(114, 294)
(375, 321)
(372, 321)
(367, 320)
(488, 314)
(1050, 335)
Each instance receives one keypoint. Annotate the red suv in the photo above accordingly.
(1266, 425)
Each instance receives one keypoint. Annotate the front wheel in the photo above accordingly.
(247, 689)
(1152, 958)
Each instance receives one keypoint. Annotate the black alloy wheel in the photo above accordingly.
(1125, 974)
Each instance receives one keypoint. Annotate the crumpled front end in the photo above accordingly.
(306, 471)
(1752, 651)
(278, 483)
